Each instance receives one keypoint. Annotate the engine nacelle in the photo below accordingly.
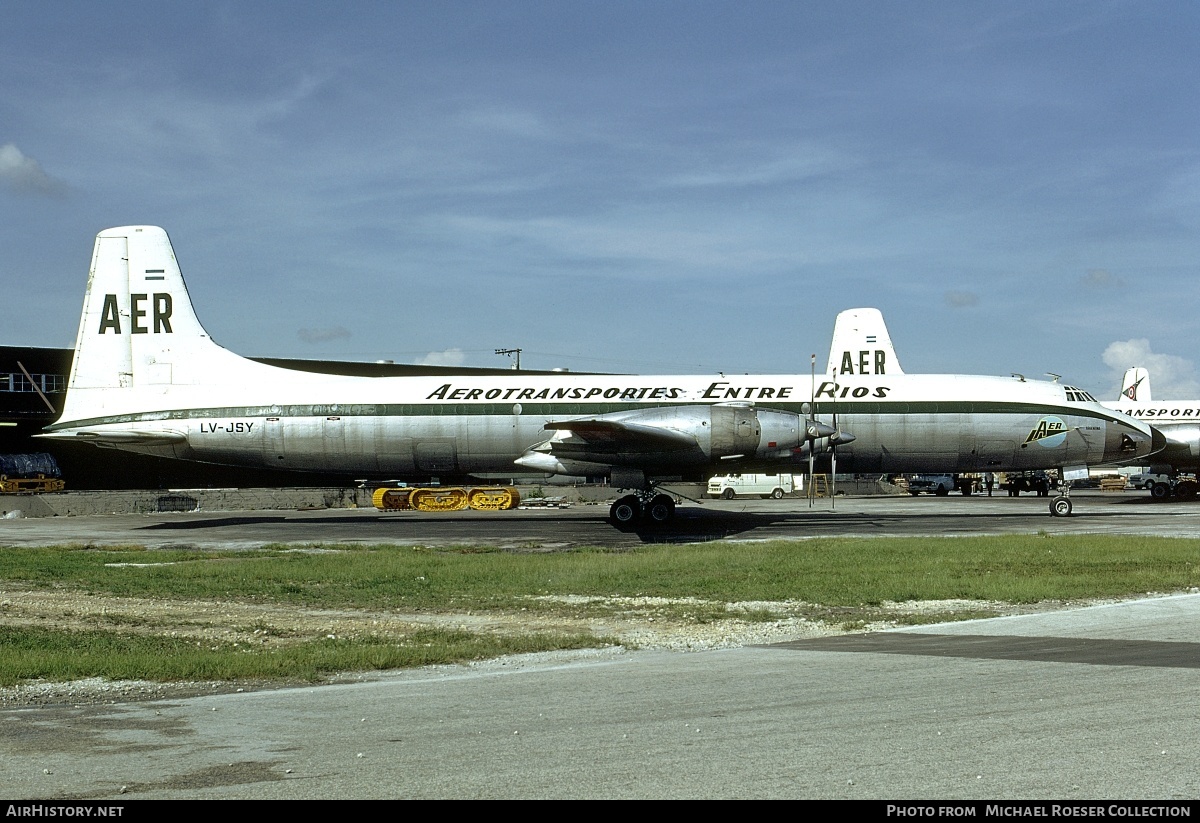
(725, 431)
(677, 435)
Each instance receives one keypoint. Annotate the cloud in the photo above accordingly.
(23, 174)
(449, 357)
(323, 335)
(961, 299)
(1171, 377)
(1102, 279)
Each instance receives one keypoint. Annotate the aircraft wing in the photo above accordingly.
(616, 435)
(653, 437)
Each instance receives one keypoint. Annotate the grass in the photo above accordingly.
(31, 654)
(847, 579)
(834, 572)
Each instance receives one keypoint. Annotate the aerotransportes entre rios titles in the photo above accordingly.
(1049, 431)
(147, 377)
(716, 391)
(1183, 412)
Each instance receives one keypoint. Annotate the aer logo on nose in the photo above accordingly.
(159, 309)
(1049, 432)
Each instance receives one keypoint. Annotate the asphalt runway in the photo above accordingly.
(1080, 705)
(1095, 512)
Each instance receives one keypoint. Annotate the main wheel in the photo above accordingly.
(660, 509)
(1186, 490)
(626, 512)
(1061, 507)
(1160, 491)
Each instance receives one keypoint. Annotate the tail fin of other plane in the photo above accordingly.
(139, 336)
(862, 345)
(1135, 387)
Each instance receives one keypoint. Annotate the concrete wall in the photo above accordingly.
(66, 504)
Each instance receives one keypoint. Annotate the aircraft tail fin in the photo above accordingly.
(1135, 387)
(862, 345)
(139, 335)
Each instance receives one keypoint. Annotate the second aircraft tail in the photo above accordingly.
(862, 345)
(1135, 387)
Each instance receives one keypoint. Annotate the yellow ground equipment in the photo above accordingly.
(29, 474)
(446, 499)
(30, 485)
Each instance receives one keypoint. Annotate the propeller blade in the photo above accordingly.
(832, 477)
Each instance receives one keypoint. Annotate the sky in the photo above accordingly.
(652, 187)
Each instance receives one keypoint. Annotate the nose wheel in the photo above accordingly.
(1061, 505)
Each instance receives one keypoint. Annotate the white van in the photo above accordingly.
(730, 486)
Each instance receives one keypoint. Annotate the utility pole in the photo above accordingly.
(511, 352)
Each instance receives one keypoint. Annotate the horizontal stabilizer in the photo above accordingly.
(119, 438)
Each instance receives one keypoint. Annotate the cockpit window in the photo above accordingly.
(1078, 395)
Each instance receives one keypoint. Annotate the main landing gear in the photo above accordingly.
(644, 508)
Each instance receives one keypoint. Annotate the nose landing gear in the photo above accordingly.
(1061, 505)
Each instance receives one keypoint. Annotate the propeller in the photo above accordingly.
(833, 439)
(816, 431)
(812, 420)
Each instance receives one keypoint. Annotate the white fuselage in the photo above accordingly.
(418, 426)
